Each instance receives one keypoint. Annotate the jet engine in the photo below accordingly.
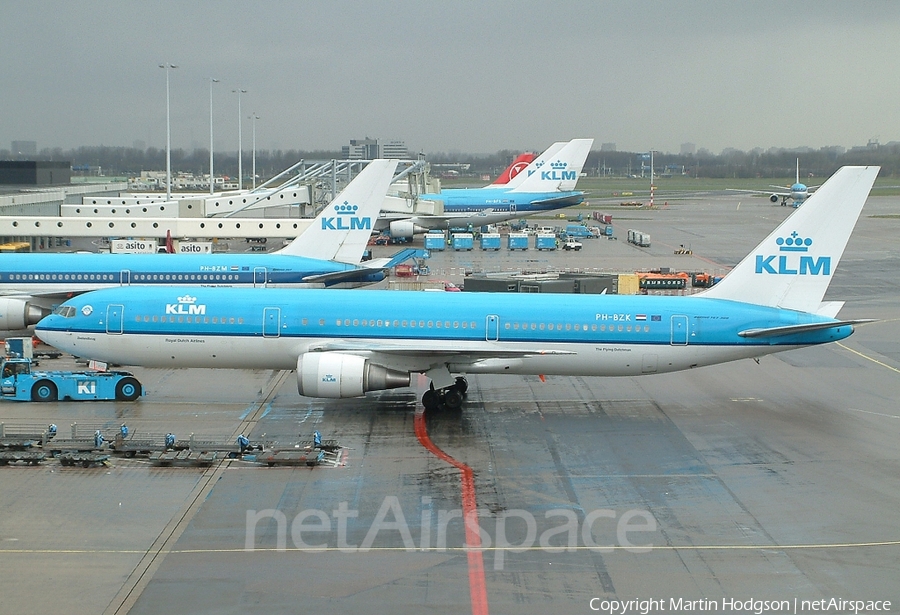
(17, 314)
(405, 229)
(774, 198)
(336, 375)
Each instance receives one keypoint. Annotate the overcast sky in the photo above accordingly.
(470, 76)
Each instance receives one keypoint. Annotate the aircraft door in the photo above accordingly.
(492, 328)
(115, 316)
(259, 276)
(679, 330)
(648, 364)
(125, 277)
(271, 322)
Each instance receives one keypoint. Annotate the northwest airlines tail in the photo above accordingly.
(517, 166)
(793, 266)
(556, 172)
(342, 230)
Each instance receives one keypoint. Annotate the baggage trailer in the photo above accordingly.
(26, 456)
(291, 457)
(20, 382)
(183, 458)
(84, 459)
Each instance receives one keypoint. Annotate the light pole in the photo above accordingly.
(240, 143)
(167, 66)
(254, 117)
(212, 177)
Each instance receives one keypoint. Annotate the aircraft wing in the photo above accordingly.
(435, 352)
(61, 296)
(572, 198)
(795, 329)
(763, 192)
(361, 274)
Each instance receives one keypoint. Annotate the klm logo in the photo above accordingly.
(793, 261)
(186, 306)
(345, 220)
(329, 378)
(86, 387)
(558, 172)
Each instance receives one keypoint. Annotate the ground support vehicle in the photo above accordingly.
(291, 457)
(85, 459)
(545, 241)
(20, 382)
(185, 457)
(571, 244)
(26, 456)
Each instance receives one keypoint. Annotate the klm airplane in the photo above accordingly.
(327, 253)
(344, 344)
(547, 183)
(797, 192)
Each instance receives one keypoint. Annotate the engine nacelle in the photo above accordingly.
(405, 229)
(17, 314)
(774, 198)
(337, 375)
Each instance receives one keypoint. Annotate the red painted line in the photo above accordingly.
(477, 586)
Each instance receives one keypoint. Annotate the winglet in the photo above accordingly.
(342, 230)
(557, 172)
(793, 266)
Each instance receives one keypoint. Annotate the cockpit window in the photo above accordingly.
(66, 311)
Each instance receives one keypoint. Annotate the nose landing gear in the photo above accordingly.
(450, 398)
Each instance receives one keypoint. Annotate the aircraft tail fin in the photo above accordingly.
(342, 230)
(536, 162)
(556, 172)
(518, 165)
(793, 266)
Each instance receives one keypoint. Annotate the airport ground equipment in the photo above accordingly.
(579, 231)
(638, 238)
(20, 382)
(571, 244)
(490, 241)
(545, 241)
(462, 241)
(85, 459)
(19, 448)
(435, 242)
(517, 241)
(183, 458)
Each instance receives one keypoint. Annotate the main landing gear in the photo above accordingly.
(450, 398)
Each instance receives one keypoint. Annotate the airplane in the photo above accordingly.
(797, 192)
(547, 183)
(345, 344)
(327, 253)
(518, 165)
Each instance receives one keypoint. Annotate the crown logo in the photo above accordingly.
(346, 208)
(793, 243)
(539, 164)
(187, 299)
(558, 165)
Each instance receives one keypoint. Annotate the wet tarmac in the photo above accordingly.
(771, 481)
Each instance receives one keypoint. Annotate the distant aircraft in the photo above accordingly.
(328, 252)
(346, 343)
(797, 192)
(547, 183)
